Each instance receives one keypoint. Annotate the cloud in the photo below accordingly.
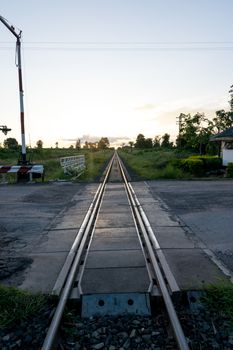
(146, 107)
(115, 140)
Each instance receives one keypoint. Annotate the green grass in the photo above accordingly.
(95, 164)
(219, 299)
(153, 164)
(17, 305)
(50, 158)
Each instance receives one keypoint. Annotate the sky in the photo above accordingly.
(113, 68)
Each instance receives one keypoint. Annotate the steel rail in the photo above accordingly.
(175, 323)
(89, 220)
(170, 277)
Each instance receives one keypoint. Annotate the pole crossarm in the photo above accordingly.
(4, 129)
(11, 28)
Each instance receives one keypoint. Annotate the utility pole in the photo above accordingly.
(23, 159)
(231, 100)
(179, 121)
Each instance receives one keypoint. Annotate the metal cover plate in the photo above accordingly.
(116, 304)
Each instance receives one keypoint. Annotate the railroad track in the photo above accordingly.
(115, 264)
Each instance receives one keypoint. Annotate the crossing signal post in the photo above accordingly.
(23, 159)
(25, 170)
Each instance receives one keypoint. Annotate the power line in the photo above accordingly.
(41, 48)
(125, 42)
(123, 46)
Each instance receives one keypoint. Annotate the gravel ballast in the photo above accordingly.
(203, 329)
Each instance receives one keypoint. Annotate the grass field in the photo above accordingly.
(152, 164)
(50, 158)
(147, 164)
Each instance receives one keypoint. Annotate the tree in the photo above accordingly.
(223, 120)
(39, 144)
(131, 143)
(156, 142)
(78, 144)
(140, 141)
(103, 143)
(195, 132)
(166, 141)
(85, 146)
(11, 143)
(148, 143)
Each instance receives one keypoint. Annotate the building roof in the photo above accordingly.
(226, 135)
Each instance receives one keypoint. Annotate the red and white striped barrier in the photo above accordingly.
(22, 169)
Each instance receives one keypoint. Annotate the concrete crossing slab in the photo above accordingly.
(112, 243)
(115, 263)
(117, 232)
(57, 241)
(193, 268)
(191, 264)
(119, 201)
(124, 258)
(42, 274)
(115, 280)
(28, 211)
(109, 207)
(115, 220)
(68, 222)
(160, 217)
(173, 237)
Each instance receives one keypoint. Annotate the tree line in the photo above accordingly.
(195, 132)
(103, 143)
(158, 142)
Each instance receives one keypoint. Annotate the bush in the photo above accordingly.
(198, 165)
(170, 172)
(193, 165)
(210, 162)
(230, 169)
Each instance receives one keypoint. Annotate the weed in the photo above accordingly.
(17, 305)
(219, 299)
(155, 164)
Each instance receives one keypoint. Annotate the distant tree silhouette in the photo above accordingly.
(103, 143)
(78, 144)
(166, 141)
(39, 144)
(11, 143)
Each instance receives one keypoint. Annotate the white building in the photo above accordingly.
(226, 139)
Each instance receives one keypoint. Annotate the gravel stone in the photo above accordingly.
(203, 330)
(6, 338)
(98, 346)
(112, 347)
(133, 333)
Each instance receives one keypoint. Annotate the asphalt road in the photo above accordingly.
(206, 207)
(38, 223)
(29, 217)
